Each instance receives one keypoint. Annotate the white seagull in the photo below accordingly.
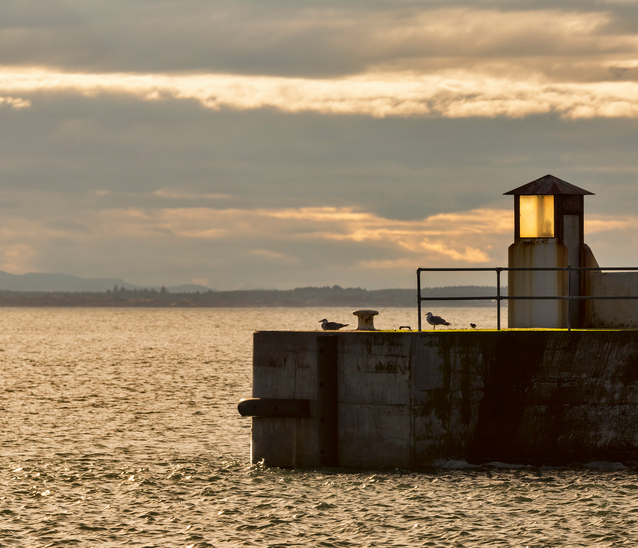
(331, 326)
(435, 320)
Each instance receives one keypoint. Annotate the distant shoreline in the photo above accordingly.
(307, 297)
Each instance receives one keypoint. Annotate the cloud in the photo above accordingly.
(315, 39)
(275, 256)
(17, 257)
(609, 223)
(320, 223)
(448, 94)
(287, 247)
(113, 152)
(15, 102)
(178, 194)
(576, 60)
(434, 238)
(442, 236)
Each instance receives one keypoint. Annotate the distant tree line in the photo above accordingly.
(300, 297)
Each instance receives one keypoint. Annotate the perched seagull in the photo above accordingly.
(435, 320)
(331, 326)
(473, 325)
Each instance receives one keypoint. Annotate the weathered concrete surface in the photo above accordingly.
(407, 399)
(537, 253)
(608, 313)
(614, 313)
(285, 366)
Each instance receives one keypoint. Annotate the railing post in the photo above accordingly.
(418, 294)
(498, 299)
(569, 298)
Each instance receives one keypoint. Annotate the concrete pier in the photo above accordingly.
(410, 399)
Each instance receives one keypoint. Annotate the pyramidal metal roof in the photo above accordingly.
(548, 185)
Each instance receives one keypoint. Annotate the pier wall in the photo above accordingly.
(409, 399)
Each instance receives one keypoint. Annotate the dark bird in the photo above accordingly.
(435, 320)
(473, 325)
(331, 326)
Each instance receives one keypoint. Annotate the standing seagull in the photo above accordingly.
(331, 326)
(435, 320)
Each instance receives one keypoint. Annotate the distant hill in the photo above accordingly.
(36, 281)
(33, 281)
(301, 297)
(42, 289)
(186, 288)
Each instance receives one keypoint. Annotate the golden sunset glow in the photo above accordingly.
(418, 240)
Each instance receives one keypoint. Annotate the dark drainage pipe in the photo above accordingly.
(274, 407)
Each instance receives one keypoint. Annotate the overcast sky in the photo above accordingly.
(283, 144)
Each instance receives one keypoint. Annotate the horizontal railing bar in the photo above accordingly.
(513, 298)
(459, 298)
(478, 269)
(530, 297)
(603, 297)
(531, 269)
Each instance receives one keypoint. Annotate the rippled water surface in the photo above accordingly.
(119, 427)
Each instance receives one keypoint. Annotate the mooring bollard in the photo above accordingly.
(366, 319)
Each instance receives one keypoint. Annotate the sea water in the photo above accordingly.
(119, 427)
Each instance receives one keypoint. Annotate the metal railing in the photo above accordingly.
(498, 297)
